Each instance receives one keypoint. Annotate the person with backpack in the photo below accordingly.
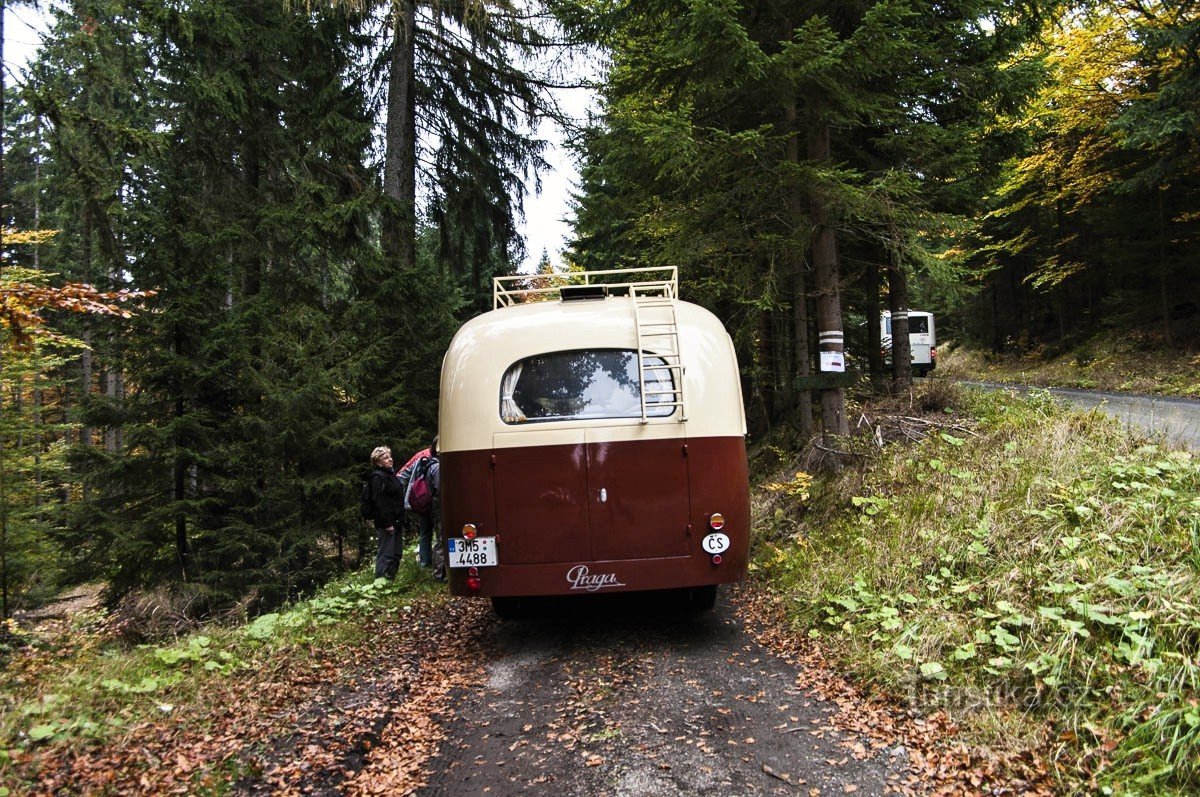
(421, 477)
(383, 505)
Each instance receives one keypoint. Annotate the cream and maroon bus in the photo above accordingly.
(592, 440)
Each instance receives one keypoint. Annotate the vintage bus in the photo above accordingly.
(592, 440)
(922, 340)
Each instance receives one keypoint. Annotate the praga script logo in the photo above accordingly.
(580, 578)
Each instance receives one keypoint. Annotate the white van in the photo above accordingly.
(922, 340)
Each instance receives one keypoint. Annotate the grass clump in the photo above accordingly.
(1037, 577)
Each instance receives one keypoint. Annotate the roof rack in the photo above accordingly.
(519, 288)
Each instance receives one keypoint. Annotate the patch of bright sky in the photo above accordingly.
(546, 227)
(23, 29)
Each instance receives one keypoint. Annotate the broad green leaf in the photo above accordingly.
(40, 733)
(933, 670)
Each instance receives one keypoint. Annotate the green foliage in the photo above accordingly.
(703, 159)
(335, 604)
(1027, 573)
(33, 468)
(92, 692)
(1097, 216)
(224, 431)
(478, 102)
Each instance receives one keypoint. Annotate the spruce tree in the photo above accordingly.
(460, 108)
(1097, 214)
(750, 142)
(247, 212)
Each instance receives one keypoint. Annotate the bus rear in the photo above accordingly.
(593, 444)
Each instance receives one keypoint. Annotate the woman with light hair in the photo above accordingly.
(387, 502)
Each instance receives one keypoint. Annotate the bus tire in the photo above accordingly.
(703, 599)
(508, 608)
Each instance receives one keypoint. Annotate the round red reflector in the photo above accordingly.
(469, 531)
(716, 521)
(717, 559)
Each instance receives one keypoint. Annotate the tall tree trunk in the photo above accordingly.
(180, 444)
(784, 359)
(399, 229)
(763, 369)
(109, 379)
(3, 223)
(1163, 292)
(85, 357)
(800, 351)
(1061, 296)
(874, 334)
(179, 488)
(800, 348)
(179, 469)
(830, 335)
(898, 304)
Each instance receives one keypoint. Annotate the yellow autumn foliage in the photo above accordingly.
(10, 236)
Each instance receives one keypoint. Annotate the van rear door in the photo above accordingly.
(920, 337)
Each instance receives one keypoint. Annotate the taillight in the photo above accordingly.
(716, 521)
(716, 559)
(469, 531)
(473, 581)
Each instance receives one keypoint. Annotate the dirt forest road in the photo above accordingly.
(632, 697)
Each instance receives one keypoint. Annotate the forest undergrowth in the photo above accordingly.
(1032, 572)
(261, 701)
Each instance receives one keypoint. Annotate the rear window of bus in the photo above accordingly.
(593, 383)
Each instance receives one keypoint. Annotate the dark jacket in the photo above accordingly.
(387, 495)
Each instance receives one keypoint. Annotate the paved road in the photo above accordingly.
(1175, 420)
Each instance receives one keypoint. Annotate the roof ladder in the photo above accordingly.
(658, 349)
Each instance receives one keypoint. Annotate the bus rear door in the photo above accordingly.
(590, 499)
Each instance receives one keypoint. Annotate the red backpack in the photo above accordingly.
(420, 491)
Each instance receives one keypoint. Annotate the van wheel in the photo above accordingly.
(509, 608)
(703, 599)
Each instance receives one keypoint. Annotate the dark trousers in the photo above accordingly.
(429, 555)
(424, 538)
(387, 556)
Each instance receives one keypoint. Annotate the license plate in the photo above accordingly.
(479, 552)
